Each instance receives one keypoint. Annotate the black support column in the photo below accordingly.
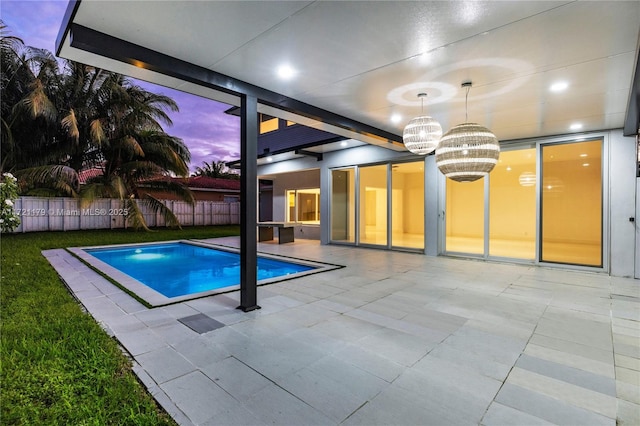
(248, 200)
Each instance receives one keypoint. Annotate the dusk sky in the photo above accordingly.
(210, 134)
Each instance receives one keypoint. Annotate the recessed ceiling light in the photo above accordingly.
(269, 159)
(508, 168)
(285, 72)
(560, 86)
(585, 165)
(343, 143)
(575, 126)
(583, 155)
(396, 118)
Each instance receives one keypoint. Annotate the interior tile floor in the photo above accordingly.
(392, 338)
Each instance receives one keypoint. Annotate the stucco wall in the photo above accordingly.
(622, 184)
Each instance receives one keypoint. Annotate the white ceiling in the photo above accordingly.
(367, 60)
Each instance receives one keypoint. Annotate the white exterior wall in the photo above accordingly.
(637, 231)
(622, 194)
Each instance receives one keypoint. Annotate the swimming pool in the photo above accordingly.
(162, 273)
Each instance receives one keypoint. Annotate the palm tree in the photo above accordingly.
(132, 149)
(215, 169)
(60, 123)
(28, 115)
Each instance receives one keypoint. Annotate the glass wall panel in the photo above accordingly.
(373, 205)
(343, 205)
(407, 205)
(572, 203)
(512, 205)
(465, 217)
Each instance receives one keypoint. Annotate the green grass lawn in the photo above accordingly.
(58, 366)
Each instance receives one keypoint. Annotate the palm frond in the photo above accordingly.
(134, 215)
(7, 144)
(131, 145)
(70, 123)
(119, 186)
(168, 151)
(8, 41)
(97, 133)
(38, 103)
(159, 208)
(103, 187)
(41, 192)
(91, 192)
(138, 171)
(58, 177)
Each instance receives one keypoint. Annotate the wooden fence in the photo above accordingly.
(66, 214)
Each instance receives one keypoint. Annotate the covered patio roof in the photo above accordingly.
(358, 66)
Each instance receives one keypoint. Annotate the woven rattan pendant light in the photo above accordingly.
(467, 151)
(422, 134)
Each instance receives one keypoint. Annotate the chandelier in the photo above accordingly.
(467, 151)
(422, 134)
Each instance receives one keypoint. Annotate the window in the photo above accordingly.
(303, 205)
(268, 123)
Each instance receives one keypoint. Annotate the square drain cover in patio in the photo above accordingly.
(201, 323)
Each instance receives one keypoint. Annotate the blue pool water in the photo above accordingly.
(178, 269)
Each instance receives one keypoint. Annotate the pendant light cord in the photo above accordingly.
(422, 96)
(466, 105)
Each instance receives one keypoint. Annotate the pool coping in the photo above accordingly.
(152, 298)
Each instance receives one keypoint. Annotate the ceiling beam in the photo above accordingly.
(98, 43)
(316, 155)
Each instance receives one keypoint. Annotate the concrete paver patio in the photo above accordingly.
(392, 338)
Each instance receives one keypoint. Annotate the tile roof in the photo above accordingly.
(205, 182)
(193, 182)
(87, 174)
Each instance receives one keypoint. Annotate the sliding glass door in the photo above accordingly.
(572, 203)
(407, 205)
(372, 221)
(512, 205)
(539, 208)
(379, 205)
(343, 205)
(465, 217)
